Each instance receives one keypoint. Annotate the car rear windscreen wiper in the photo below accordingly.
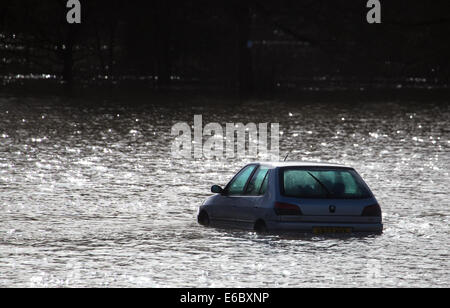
(321, 184)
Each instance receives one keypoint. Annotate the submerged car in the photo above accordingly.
(294, 196)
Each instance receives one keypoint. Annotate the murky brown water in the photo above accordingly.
(89, 196)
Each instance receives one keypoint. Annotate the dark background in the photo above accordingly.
(247, 47)
(91, 196)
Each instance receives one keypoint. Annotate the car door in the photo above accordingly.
(247, 208)
(228, 204)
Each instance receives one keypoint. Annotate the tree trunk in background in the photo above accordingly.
(163, 24)
(245, 66)
(114, 18)
(67, 54)
(4, 6)
(111, 47)
(98, 46)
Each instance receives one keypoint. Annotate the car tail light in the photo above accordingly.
(372, 210)
(287, 209)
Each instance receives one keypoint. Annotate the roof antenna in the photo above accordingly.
(287, 155)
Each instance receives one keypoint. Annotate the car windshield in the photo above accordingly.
(322, 183)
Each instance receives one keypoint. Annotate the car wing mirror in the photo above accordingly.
(216, 189)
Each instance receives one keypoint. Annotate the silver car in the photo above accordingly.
(294, 196)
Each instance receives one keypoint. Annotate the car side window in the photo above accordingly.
(263, 188)
(237, 185)
(254, 185)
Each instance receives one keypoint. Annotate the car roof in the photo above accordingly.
(301, 164)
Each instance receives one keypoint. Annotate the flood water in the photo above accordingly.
(90, 196)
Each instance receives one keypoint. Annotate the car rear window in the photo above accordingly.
(322, 183)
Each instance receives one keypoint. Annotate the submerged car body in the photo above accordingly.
(294, 196)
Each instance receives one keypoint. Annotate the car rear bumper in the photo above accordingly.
(325, 226)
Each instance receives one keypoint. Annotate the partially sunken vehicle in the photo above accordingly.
(294, 196)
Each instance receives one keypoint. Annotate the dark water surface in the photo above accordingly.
(89, 195)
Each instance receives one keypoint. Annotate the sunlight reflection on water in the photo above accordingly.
(89, 196)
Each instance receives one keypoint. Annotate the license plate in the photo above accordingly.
(322, 230)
